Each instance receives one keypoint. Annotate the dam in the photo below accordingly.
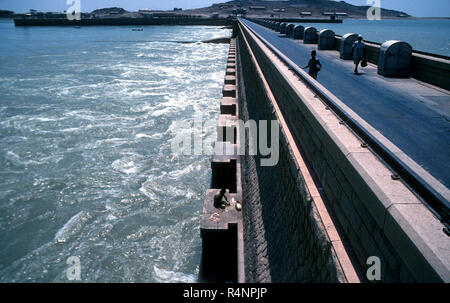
(341, 179)
(363, 171)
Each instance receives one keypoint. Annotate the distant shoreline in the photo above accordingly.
(121, 22)
(402, 18)
(345, 18)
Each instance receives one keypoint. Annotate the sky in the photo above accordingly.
(418, 8)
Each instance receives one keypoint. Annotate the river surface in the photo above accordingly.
(427, 35)
(87, 118)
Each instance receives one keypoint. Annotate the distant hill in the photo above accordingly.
(6, 14)
(293, 8)
(254, 8)
(110, 10)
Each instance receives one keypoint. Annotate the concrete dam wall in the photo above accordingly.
(122, 21)
(285, 238)
(330, 205)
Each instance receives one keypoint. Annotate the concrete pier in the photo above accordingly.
(221, 227)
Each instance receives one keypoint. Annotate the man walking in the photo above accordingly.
(358, 53)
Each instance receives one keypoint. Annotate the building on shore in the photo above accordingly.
(257, 8)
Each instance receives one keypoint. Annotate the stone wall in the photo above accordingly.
(284, 240)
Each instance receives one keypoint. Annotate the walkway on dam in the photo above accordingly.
(413, 115)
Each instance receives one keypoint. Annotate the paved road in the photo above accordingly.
(412, 115)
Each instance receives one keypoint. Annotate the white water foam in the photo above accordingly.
(69, 228)
(164, 276)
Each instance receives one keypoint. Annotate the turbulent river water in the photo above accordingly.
(87, 118)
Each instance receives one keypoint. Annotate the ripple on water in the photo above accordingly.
(85, 153)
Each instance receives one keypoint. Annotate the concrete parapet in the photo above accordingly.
(346, 46)
(299, 31)
(278, 26)
(290, 30)
(310, 35)
(428, 68)
(431, 70)
(326, 39)
(337, 43)
(395, 59)
(272, 24)
(372, 52)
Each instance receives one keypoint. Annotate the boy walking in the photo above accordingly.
(314, 65)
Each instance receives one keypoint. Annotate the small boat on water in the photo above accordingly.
(137, 29)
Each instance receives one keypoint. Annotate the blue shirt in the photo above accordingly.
(358, 48)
